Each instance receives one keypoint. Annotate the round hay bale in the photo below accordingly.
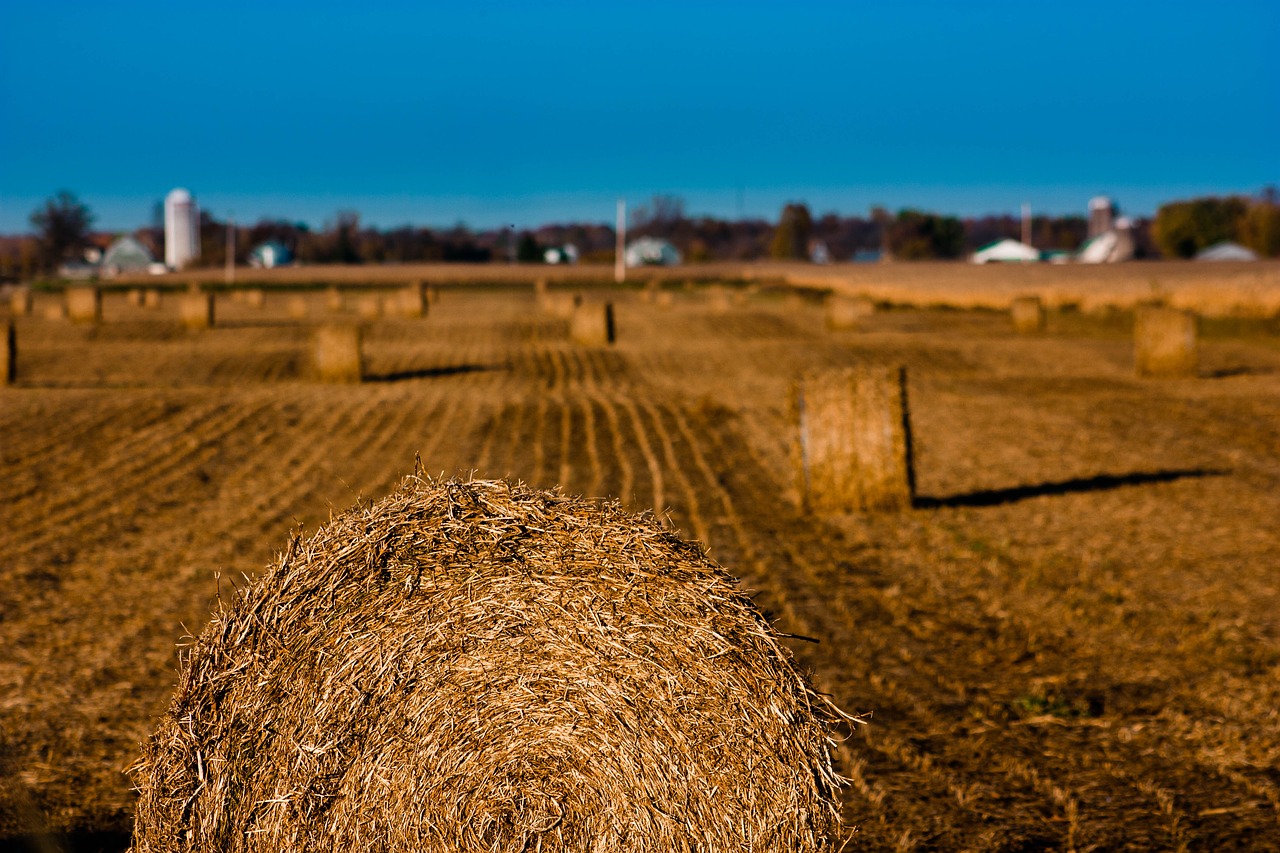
(255, 297)
(718, 301)
(151, 298)
(369, 306)
(134, 297)
(21, 302)
(296, 307)
(846, 312)
(411, 302)
(591, 324)
(334, 300)
(482, 666)
(84, 304)
(195, 310)
(336, 353)
(55, 311)
(1027, 315)
(1164, 341)
(664, 299)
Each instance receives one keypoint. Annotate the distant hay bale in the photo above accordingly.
(718, 301)
(853, 440)
(21, 302)
(84, 304)
(559, 304)
(592, 324)
(369, 306)
(1027, 315)
(334, 300)
(55, 311)
(847, 312)
(479, 666)
(1164, 341)
(134, 297)
(411, 302)
(255, 298)
(9, 355)
(539, 289)
(195, 310)
(152, 299)
(664, 299)
(336, 353)
(296, 307)
(433, 294)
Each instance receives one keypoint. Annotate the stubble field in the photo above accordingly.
(1071, 642)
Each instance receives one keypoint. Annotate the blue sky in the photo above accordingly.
(523, 113)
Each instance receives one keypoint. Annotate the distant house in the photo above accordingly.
(270, 254)
(126, 256)
(1114, 245)
(868, 256)
(1226, 251)
(650, 251)
(1006, 251)
(566, 254)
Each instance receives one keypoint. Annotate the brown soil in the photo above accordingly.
(1072, 642)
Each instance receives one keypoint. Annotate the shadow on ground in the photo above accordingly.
(1100, 483)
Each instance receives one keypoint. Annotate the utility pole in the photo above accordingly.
(620, 261)
(231, 250)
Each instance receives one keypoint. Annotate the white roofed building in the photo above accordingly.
(650, 251)
(1226, 251)
(1006, 251)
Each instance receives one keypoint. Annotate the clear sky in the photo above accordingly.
(524, 113)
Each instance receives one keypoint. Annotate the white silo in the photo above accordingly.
(1101, 212)
(181, 229)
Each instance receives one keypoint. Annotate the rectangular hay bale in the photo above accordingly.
(853, 440)
(1164, 341)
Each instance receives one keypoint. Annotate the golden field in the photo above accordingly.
(1070, 642)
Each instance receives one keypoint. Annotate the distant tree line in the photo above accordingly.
(62, 231)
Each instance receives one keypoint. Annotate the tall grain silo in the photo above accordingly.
(1101, 212)
(181, 229)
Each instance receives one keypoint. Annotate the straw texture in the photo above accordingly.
(84, 304)
(479, 666)
(1164, 341)
(1027, 314)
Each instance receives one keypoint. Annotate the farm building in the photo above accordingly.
(1006, 251)
(566, 254)
(270, 254)
(1109, 247)
(650, 251)
(1226, 251)
(126, 255)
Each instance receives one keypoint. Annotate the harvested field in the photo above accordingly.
(1071, 642)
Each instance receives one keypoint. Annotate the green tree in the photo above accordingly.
(1260, 228)
(62, 227)
(1182, 228)
(918, 236)
(527, 250)
(791, 238)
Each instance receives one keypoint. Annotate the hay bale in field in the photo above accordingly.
(195, 310)
(133, 296)
(336, 353)
(1164, 341)
(847, 312)
(84, 304)
(334, 300)
(559, 304)
(9, 355)
(664, 299)
(296, 307)
(21, 302)
(718, 301)
(369, 306)
(55, 311)
(151, 298)
(255, 298)
(412, 301)
(853, 440)
(481, 666)
(433, 294)
(592, 324)
(1027, 315)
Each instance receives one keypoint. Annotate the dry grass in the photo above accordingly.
(481, 666)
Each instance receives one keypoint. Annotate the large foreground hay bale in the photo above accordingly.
(470, 666)
(853, 446)
(847, 312)
(1027, 315)
(592, 324)
(336, 353)
(195, 310)
(8, 354)
(84, 304)
(21, 302)
(1164, 341)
